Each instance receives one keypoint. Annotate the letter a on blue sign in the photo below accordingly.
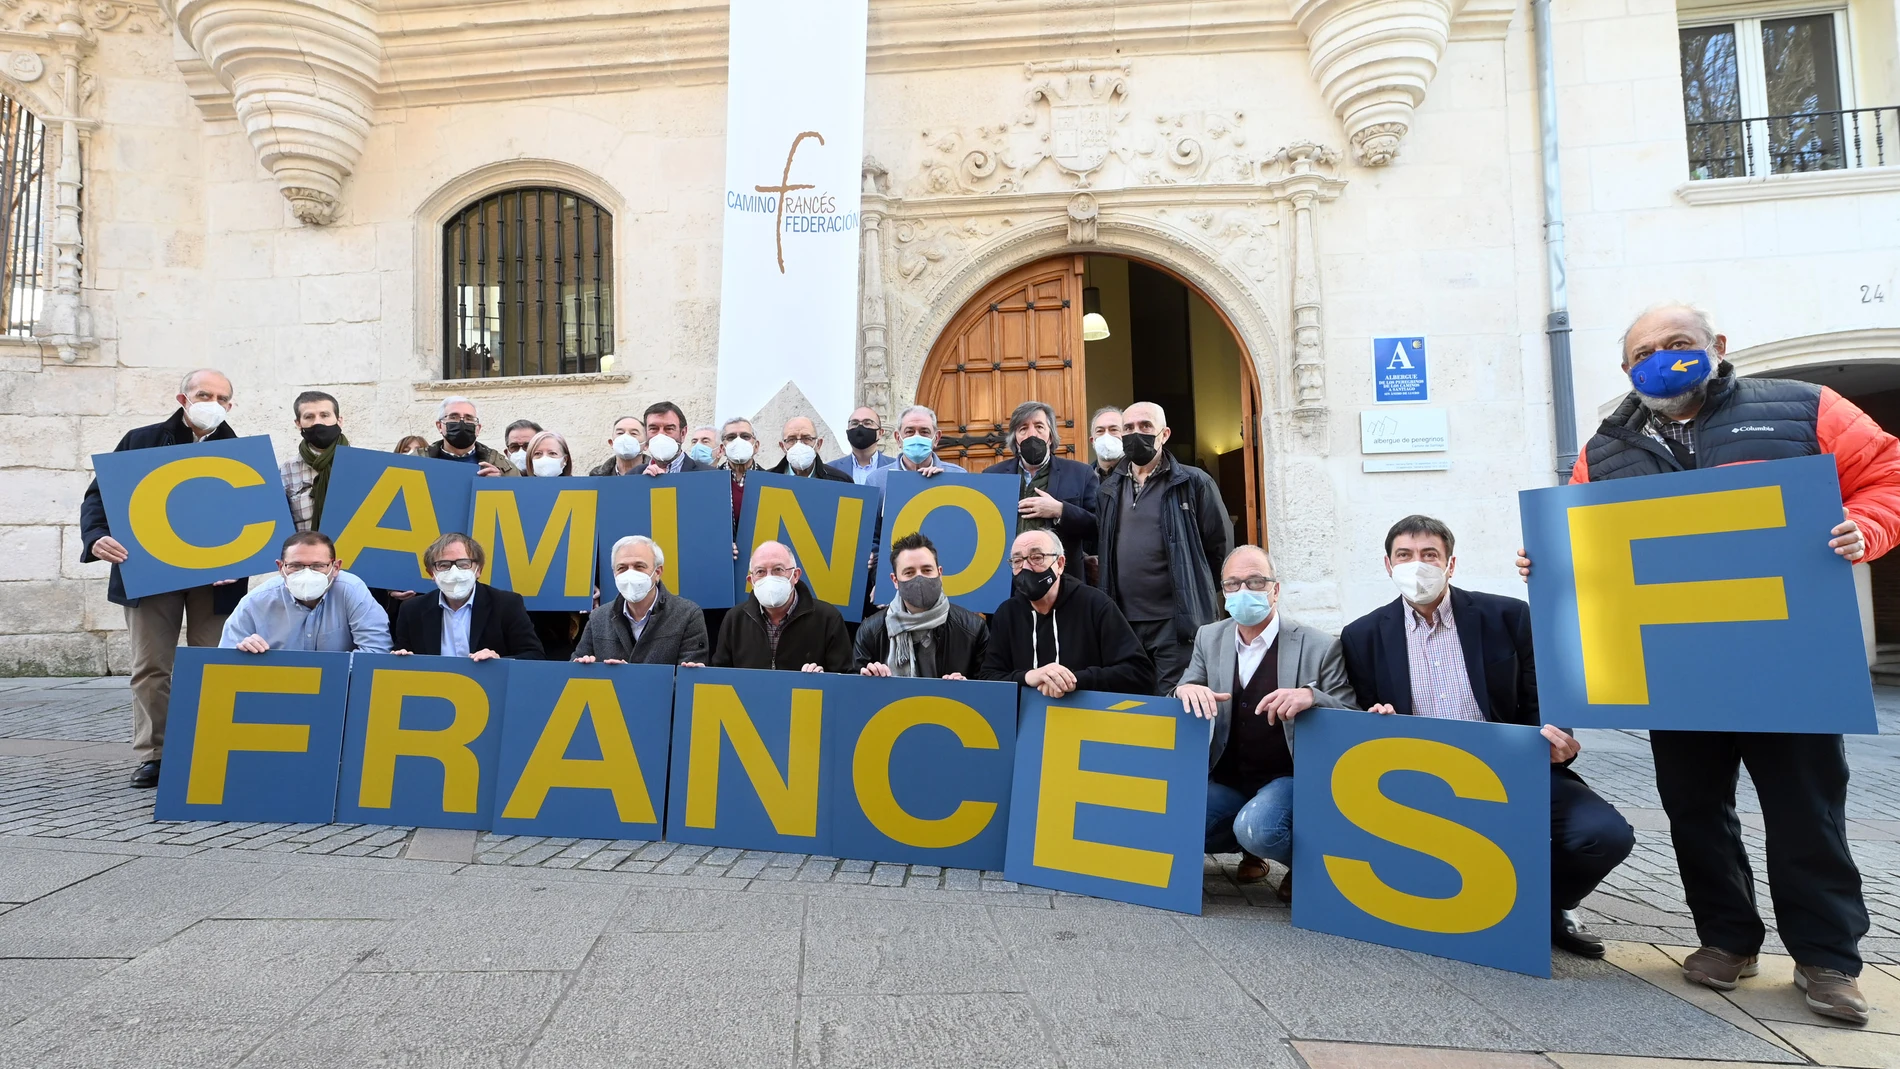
(383, 510)
(1110, 798)
(583, 750)
(1398, 370)
(1425, 834)
(1703, 600)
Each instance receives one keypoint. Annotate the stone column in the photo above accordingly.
(874, 366)
(66, 324)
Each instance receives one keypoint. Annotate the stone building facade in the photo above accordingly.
(265, 186)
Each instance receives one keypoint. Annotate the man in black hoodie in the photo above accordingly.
(1058, 634)
(782, 625)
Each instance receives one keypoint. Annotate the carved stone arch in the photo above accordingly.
(36, 98)
(451, 196)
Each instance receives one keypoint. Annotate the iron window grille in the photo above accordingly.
(529, 285)
(23, 202)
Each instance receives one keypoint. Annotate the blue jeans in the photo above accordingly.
(1261, 825)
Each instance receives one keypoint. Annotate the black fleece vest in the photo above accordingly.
(1742, 420)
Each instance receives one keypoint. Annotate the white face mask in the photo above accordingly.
(662, 448)
(456, 584)
(739, 451)
(772, 591)
(1108, 447)
(519, 458)
(547, 467)
(205, 415)
(802, 456)
(626, 446)
(307, 584)
(1418, 582)
(634, 585)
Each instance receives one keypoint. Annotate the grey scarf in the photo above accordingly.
(910, 634)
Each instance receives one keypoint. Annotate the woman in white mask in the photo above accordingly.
(646, 623)
(548, 456)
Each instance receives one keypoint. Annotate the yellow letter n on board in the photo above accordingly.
(1612, 607)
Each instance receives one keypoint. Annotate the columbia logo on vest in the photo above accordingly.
(1738, 430)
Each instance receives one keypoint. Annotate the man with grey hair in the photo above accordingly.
(917, 439)
(458, 422)
(1687, 409)
(152, 622)
(1162, 528)
(1251, 673)
(1056, 494)
(645, 623)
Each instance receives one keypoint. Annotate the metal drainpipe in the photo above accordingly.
(1563, 392)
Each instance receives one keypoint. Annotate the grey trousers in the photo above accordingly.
(154, 624)
(1170, 653)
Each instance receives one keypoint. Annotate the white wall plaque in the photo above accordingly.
(1403, 430)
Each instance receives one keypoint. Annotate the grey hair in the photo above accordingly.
(917, 408)
(184, 384)
(1117, 409)
(730, 420)
(1030, 408)
(636, 419)
(659, 555)
(788, 552)
(442, 409)
(1702, 317)
(1273, 566)
(1161, 414)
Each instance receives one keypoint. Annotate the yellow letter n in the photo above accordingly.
(1612, 607)
(790, 800)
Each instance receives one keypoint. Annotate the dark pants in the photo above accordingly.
(1169, 651)
(1588, 838)
(1802, 783)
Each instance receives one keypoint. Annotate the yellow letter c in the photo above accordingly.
(989, 532)
(871, 771)
(152, 527)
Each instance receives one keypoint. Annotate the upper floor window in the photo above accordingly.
(22, 207)
(1766, 96)
(529, 287)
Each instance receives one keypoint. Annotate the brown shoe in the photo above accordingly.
(1251, 869)
(1285, 890)
(1831, 993)
(1718, 968)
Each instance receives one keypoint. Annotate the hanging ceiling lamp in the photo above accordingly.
(1094, 327)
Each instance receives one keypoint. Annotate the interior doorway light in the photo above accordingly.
(1094, 327)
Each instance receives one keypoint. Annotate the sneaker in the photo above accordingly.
(1831, 993)
(1718, 968)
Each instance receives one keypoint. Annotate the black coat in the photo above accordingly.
(1199, 536)
(814, 634)
(1493, 631)
(92, 510)
(820, 470)
(674, 633)
(1096, 642)
(1074, 484)
(498, 621)
(958, 644)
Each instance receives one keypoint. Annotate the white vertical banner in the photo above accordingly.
(788, 308)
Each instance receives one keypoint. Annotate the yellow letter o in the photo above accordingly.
(989, 532)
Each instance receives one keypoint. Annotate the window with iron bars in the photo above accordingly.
(528, 285)
(22, 209)
(1767, 96)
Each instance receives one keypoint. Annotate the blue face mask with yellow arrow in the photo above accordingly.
(1671, 372)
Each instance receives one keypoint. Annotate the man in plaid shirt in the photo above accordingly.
(306, 473)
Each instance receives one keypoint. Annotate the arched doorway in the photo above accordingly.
(1020, 338)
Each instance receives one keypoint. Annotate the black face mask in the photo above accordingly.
(861, 437)
(458, 434)
(1140, 448)
(922, 592)
(1034, 585)
(1033, 451)
(322, 435)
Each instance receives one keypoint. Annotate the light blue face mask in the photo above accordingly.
(1249, 608)
(917, 449)
(701, 452)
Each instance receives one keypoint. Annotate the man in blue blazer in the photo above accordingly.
(1462, 655)
(863, 431)
(1055, 494)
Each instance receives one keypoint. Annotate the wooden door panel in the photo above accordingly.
(1018, 340)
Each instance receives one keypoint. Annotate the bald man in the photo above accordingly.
(1057, 633)
(152, 622)
(1163, 530)
(781, 625)
(801, 444)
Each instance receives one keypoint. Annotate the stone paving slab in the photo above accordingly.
(402, 1019)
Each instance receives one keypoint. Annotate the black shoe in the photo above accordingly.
(146, 775)
(1567, 932)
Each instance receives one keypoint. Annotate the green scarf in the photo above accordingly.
(320, 462)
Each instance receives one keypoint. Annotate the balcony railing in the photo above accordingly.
(1789, 144)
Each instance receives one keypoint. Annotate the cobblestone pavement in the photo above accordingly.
(62, 775)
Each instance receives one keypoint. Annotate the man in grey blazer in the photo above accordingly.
(1250, 674)
(645, 624)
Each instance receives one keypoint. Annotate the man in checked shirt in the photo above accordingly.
(1462, 655)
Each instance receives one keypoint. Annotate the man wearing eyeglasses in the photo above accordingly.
(801, 444)
(310, 606)
(863, 430)
(1058, 634)
(467, 618)
(1250, 674)
(781, 625)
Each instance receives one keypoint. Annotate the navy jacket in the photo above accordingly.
(1076, 485)
(498, 620)
(1495, 633)
(92, 511)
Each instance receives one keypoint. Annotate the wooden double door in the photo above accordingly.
(1020, 340)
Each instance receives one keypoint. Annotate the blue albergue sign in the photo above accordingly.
(1398, 370)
